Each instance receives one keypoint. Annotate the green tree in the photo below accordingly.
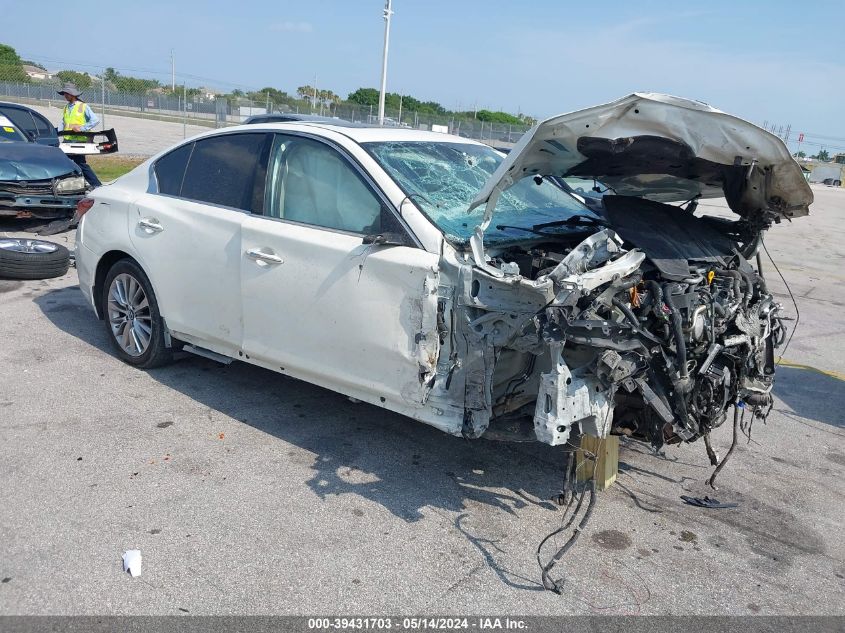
(180, 90)
(822, 156)
(365, 97)
(328, 97)
(82, 80)
(11, 66)
(305, 92)
(135, 84)
(799, 155)
(431, 107)
(274, 95)
(497, 117)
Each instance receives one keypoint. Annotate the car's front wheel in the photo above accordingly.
(133, 322)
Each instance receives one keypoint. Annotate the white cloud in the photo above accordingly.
(292, 27)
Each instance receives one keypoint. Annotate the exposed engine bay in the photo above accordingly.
(644, 333)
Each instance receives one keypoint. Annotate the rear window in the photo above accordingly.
(222, 170)
(170, 170)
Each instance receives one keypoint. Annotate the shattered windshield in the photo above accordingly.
(443, 178)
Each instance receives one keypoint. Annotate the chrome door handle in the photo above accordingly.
(150, 225)
(262, 256)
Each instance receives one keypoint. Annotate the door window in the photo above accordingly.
(312, 183)
(43, 127)
(170, 170)
(22, 120)
(222, 170)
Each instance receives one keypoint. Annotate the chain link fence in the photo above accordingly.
(215, 110)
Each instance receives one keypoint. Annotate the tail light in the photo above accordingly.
(82, 207)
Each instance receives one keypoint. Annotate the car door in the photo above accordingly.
(188, 234)
(318, 302)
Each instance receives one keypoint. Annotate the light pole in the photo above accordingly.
(388, 11)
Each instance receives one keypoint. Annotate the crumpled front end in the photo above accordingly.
(602, 339)
(41, 199)
(653, 326)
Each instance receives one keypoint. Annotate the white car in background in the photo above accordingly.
(431, 275)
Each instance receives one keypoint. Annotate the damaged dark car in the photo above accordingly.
(37, 181)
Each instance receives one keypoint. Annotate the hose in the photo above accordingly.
(677, 328)
(712, 481)
(738, 278)
(629, 314)
(628, 282)
(750, 289)
(548, 582)
(656, 291)
(635, 323)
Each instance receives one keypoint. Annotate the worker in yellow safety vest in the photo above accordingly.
(78, 117)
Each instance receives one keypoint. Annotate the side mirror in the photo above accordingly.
(385, 239)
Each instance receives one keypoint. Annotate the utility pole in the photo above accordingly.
(184, 110)
(103, 98)
(172, 72)
(388, 11)
(400, 109)
(314, 100)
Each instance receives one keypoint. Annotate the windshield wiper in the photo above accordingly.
(573, 220)
(502, 227)
(537, 228)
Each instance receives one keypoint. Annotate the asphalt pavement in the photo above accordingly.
(249, 492)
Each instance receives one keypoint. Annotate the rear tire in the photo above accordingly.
(32, 259)
(131, 316)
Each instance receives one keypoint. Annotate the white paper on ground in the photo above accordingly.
(132, 562)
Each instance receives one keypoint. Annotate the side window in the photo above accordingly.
(222, 170)
(43, 127)
(22, 120)
(312, 183)
(170, 170)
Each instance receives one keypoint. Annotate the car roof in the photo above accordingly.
(284, 117)
(365, 133)
(15, 105)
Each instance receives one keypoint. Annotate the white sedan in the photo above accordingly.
(433, 276)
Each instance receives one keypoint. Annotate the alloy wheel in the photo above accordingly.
(26, 246)
(129, 314)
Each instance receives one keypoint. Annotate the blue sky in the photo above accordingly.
(775, 61)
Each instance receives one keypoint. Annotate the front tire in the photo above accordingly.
(133, 322)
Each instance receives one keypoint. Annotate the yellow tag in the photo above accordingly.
(710, 277)
(8, 129)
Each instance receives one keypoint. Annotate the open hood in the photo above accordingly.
(662, 148)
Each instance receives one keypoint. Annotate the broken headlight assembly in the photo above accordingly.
(71, 184)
